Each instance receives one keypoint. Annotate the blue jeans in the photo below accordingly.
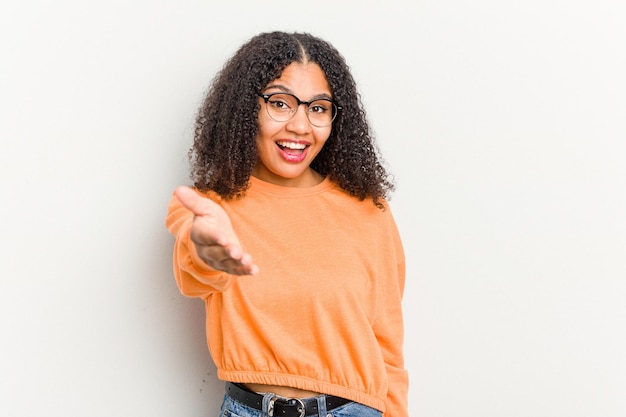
(232, 408)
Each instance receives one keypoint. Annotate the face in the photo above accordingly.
(286, 149)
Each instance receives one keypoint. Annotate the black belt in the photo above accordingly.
(280, 406)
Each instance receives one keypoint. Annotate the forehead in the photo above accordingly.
(302, 79)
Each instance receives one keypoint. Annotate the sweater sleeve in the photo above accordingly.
(389, 330)
(194, 277)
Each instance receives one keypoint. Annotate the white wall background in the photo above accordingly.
(504, 122)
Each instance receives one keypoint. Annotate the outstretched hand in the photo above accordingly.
(213, 235)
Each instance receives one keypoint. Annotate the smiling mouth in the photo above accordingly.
(292, 147)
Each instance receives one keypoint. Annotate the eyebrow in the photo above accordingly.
(289, 91)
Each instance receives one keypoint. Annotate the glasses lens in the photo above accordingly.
(322, 112)
(281, 107)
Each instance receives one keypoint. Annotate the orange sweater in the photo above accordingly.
(324, 313)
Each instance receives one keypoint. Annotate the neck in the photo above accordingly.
(310, 178)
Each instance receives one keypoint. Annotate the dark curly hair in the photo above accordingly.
(224, 151)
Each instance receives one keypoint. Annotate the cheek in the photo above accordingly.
(322, 135)
(264, 131)
(263, 121)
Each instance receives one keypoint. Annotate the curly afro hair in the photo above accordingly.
(224, 151)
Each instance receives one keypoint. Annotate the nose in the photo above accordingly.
(299, 123)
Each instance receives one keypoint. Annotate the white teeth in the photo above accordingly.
(292, 145)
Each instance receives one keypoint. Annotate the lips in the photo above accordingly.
(292, 151)
(291, 147)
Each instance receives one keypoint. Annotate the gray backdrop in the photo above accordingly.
(504, 123)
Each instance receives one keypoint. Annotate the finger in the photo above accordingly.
(246, 270)
(234, 251)
(246, 260)
(249, 267)
(246, 266)
(252, 269)
(220, 258)
(239, 269)
(231, 253)
(233, 266)
(192, 201)
(214, 254)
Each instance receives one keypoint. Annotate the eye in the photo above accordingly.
(320, 107)
(280, 102)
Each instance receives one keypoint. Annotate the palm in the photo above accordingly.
(213, 235)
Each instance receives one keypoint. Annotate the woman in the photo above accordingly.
(288, 238)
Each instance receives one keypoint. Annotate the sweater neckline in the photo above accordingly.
(269, 188)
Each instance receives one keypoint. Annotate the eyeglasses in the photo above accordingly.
(281, 107)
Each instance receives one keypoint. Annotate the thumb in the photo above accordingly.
(192, 201)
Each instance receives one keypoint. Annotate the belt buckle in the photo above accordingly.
(291, 401)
